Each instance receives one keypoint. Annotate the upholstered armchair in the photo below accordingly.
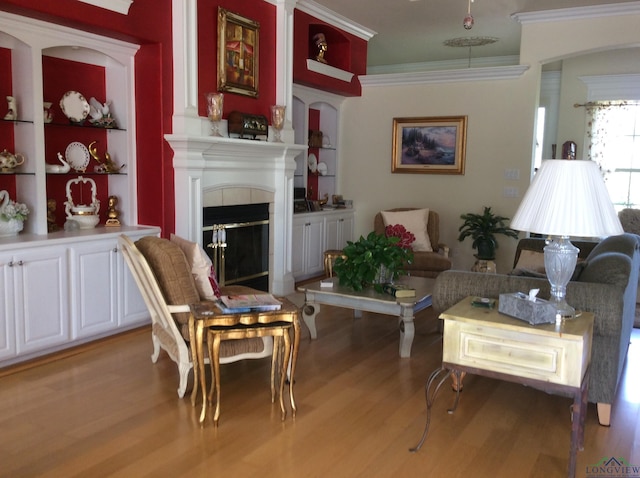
(426, 263)
(166, 282)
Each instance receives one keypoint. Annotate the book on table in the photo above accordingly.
(399, 290)
(233, 304)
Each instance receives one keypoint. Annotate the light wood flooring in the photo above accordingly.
(109, 411)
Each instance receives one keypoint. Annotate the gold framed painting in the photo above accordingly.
(432, 145)
(238, 53)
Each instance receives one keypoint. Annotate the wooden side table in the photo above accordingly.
(220, 326)
(553, 358)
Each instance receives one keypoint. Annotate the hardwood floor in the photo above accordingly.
(109, 411)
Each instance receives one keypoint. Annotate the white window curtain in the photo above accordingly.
(607, 121)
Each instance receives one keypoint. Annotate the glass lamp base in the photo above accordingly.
(560, 258)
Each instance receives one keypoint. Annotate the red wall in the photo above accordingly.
(148, 24)
(345, 51)
(256, 10)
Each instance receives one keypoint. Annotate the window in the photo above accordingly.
(614, 135)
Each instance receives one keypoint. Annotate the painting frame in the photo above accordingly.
(238, 53)
(444, 152)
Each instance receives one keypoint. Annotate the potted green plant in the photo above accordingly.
(364, 262)
(482, 228)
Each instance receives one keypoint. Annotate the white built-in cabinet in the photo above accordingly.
(314, 233)
(317, 110)
(67, 293)
(308, 245)
(63, 288)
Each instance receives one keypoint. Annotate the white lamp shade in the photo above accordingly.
(567, 198)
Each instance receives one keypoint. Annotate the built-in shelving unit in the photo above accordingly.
(41, 63)
(61, 288)
(318, 111)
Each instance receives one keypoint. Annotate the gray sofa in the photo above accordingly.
(605, 283)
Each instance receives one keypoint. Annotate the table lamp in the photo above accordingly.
(566, 198)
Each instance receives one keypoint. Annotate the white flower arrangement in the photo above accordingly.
(14, 210)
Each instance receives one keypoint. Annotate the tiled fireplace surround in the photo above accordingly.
(212, 171)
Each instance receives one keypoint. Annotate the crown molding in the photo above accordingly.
(445, 76)
(119, 6)
(612, 87)
(578, 13)
(480, 62)
(335, 19)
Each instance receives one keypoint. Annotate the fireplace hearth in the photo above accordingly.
(237, 240)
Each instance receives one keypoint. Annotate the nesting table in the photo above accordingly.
(219, 326)
(371, 301)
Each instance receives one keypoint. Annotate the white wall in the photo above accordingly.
(500, 129)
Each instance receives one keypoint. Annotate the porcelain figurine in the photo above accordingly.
(10, 161)
(12, 113)
(85, 215)
(58, 168)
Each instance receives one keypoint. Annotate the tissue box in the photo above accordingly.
(519, 306)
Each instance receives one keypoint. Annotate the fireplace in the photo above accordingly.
(212, 172)
(237, 240)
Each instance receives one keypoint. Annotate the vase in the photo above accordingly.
(384, 275)
(10, 227)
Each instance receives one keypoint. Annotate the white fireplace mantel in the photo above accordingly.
(205, 163)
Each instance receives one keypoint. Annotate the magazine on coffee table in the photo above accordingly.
(233, 304)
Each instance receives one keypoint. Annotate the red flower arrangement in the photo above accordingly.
(406, 238)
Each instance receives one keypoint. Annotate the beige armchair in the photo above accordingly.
(425, 264)
(164, 278)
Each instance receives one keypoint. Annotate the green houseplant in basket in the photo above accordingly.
(482, 228)
(363, 261)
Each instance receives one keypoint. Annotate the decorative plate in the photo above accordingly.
(322, 168)
(77, 156)
(75, 106)
(312, 161)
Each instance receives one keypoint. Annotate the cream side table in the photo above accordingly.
(551, 358)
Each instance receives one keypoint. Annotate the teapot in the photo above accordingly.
(9, 161)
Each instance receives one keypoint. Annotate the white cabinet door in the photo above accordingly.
(7, 323)
(94, 291)
(131, 307)
(338, 230)
(105, 295)
(41, 298)
(315, 245)
(307, 245)
(297, 248)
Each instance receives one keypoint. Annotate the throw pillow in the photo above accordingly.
(531, 260)
(414, 221)
(201, 268)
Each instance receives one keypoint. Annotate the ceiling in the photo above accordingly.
(414, 31)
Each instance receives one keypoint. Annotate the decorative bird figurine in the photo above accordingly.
(58, 168)
(100, 114)
(107, 165)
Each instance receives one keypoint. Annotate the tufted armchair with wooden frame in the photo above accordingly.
(164, 278)
(425, 263)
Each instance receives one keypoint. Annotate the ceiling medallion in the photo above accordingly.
(466, 42)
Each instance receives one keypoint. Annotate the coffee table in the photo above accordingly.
(371, 301)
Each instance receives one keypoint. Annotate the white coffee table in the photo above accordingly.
(371, 301)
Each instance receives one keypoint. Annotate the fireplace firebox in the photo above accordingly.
(237, 240)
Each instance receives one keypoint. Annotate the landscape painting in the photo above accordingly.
(429, 145)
